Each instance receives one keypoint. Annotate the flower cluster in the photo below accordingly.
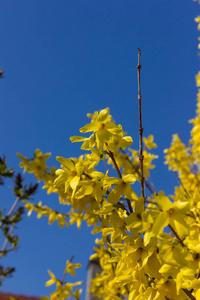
(149, 246)
(64, 289)
(106, 202)
(139, 256)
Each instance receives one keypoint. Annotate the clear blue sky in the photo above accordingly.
(65, 58)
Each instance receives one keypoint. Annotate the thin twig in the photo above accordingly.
(176, 235)
(9, 250)
(64, 275)
(87, 176)
(3, 249)
(152, 189)
(111, 155)
(129, 205)
(149, 187)
(189, 294)
(153, 186)
(11, 210)
(140, 124)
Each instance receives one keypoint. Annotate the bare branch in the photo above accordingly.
(141, 156)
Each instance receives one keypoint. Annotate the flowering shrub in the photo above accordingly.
(150, 245)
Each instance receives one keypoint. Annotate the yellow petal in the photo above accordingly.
(103, 114)
(116, 194)
(65, 162)
(126, 141)
(74, 182)
(130, 178)
(179, 224)
(77, 139)
(163, 202)
(161, 221)
(89, 127)
(130, 194)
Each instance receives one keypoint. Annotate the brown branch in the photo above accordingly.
(87, 176)
(111, 155)
(152, 190)
(140, 124)
(9, 250)
(149, 187)
(123, 206)
(129, 205)
(189, 294)
(153, 186)
(176, 235)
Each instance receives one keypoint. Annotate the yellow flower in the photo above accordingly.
(119, 142)
(70, 173)
(149, 142)
(76, 218)
(171, 214)
(70, 268)
(103, 128)
(122, 188)
(52, 280)
(88, 143)
(37, 165)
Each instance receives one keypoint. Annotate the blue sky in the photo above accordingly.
(63, 59)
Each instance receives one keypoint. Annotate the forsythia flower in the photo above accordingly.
(70, 268)
(37, 165)
(149, 246)
(149, 142)
(122, 188)
(106, 134)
